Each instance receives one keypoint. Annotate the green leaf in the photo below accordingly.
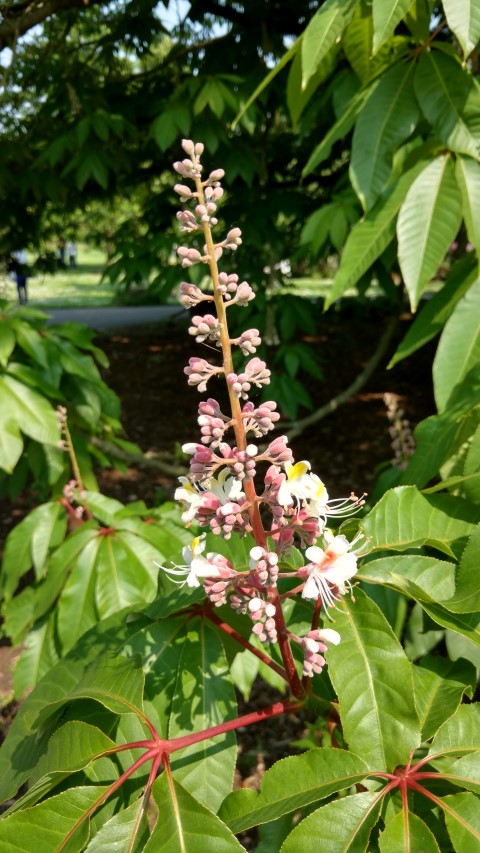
(463, 18)
(450, 100)
(386, 15)
(439, 686)
(291, 784)
(47, 533)
(407, 833)
(436, 578)
(204, 697)
(76, 606)
(297, 97)
(387, 119)
(321, 34)
(50, 823)
(428, 221)
(459, 346)
(466, 772)
(369, 238)
(186, 826)
(467, 594)
(404, 518)
(34, 415)
(7, 341)
(11, 445)
(71, 748)
(339, 130)
(467, 173)
(114, 681)
(373, 681)
(472, 466)
(38, 656)
(117, 833)
(434, 313)
(462, 816)
(466, 624)
(122, 579)
(340, 825)
(460, 734)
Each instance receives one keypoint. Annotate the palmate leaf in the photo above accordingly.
(472, 466)
(439, 685)
(459, 346)
(117, 833)
(322, 32)
(291, 784)
(465, 772)
(25, 744)
(404, 518)
(114, 681)
(428, 221)
(387, 119)
(459, 735)
(11, 444)
(369, 238)
(434, 313)
(404, 834)
(185, 826)
(435, 578)
(204, 696)
(33, 414)
(28, 544)
(71, 748)
(343, 825)
(39, 654)
(373, 681)
(462, 816)
(386, 15)
(50, 823)
(467, 593)
(467, 173)
(463, 18)
(450, 100)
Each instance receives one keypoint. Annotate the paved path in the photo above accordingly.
(119, 318)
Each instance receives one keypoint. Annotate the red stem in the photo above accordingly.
(230, 725)
(224, 626)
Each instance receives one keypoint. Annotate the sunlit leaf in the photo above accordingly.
(450, 100)
(463, 18)
(386, 15)
(459, 346)
(406, 833)
(321, 34)
(340, 825)
(373, 681)
(185, 825)
(460, 734)
(204, 697)
(439, 686)
(428, 221)
(291, 784)
(462, 816)
(387, 119)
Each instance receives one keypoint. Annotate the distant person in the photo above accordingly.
(71, 250)
(19, 267)
(61, 254)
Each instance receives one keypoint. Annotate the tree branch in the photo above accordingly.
(299, 426)
(19, 18)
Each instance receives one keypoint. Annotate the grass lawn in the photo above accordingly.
(70, 288)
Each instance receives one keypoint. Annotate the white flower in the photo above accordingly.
(330, 570)
(191, 496)
(226, 488)
(196, 566)
(301, 485)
